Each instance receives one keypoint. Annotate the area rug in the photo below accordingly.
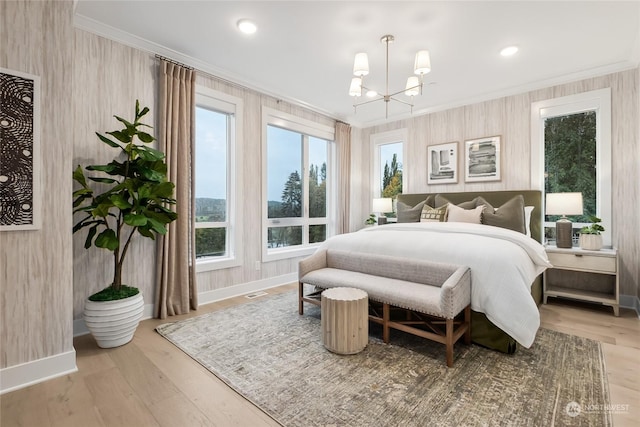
(275, 358)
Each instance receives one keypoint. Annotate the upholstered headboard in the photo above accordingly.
(496, 198)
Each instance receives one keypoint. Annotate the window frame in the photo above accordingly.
(384, 138)
(600, 102)
(232, 106)
(308, 128)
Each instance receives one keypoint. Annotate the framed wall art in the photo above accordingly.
(482, 159)
(19, 151)
(442, 163)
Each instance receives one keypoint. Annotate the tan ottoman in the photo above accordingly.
(345, 320)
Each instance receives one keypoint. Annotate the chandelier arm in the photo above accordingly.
(401, 101)
(367, 102)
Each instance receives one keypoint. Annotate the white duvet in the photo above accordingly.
(503, 264)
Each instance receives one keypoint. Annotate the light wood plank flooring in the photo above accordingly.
(149, 382)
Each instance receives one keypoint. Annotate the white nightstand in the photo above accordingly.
(583, 275)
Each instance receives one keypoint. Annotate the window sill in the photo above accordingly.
(285, 253)
(211, 264)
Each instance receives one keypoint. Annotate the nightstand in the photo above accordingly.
(590, 276)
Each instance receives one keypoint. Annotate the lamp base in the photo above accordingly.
(382, 220)
(564, 233)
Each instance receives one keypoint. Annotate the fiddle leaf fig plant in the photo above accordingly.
(130, 195)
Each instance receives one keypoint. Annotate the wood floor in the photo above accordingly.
(149, 382)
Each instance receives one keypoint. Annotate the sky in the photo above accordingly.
(284, 156)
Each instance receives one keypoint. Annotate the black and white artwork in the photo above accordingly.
(442, 163)
(482, 159)
(19, 151)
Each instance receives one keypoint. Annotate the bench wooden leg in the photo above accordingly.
(467, 321)
(449, 342)
(385, 323)
(300, 295)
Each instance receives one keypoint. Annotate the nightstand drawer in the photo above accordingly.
(603, 264)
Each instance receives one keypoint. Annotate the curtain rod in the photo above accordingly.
(164, 58)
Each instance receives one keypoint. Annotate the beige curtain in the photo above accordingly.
(176, 291)
(343, 141)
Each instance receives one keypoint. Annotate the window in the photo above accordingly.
(297, 181)
(571, 152)
(388, 158)
(218, 120)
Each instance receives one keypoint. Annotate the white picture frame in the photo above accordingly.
(20, 186)
(442, 163)
(482, 159)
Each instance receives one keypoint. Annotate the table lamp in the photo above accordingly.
(564, 204)
(381, 206)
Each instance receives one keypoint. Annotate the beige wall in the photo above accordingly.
(510, 118)
(36, 289)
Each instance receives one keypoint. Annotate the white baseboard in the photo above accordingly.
(245, 288)
(630, 301)
(207, 297)
(37, 371)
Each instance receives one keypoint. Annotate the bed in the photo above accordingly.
(504, 254)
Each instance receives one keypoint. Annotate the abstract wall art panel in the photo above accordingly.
(19, 151)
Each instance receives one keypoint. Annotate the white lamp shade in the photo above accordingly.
(356, 87)
(423, 62)
(382, 205)
(413, 86)
(564, 204)
(361, 65)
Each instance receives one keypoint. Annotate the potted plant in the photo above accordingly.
(371, 220)
(590, 237)
(132, 196)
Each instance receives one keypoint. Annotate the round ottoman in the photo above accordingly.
(345, 320)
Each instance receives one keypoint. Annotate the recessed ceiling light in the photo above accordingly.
(372, 93)
(509, 51)
(247, 26)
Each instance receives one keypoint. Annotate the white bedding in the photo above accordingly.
(503, 264)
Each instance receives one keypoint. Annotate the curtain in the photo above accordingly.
(176, 291)
(343, 142)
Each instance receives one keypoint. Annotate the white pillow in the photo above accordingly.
(527, 218)
(457, 214)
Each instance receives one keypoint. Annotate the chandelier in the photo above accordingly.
(413, 87)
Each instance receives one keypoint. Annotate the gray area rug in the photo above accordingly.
(275, 358)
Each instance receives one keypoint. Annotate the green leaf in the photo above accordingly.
(103, 180)
(145, 137)
(164, 189)
(120, 136)
(78, 176)
(146, 232)
(90, 234)
(108, 141)
(107, 240)
(102, 210)
(144, 111)
(157, 226)
(120, 202)
(127, 124)
(104, 168)
(135, 220)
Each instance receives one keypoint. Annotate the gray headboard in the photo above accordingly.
(496, 198)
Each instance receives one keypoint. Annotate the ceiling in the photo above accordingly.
(303, 51)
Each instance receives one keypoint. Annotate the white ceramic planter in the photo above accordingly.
(113, 323)
(591, 242)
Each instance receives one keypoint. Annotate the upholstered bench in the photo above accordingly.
(432, 295)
